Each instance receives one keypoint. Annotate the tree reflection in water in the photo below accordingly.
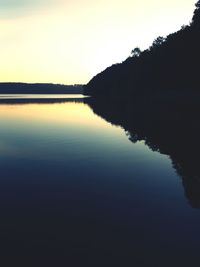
(169, 125)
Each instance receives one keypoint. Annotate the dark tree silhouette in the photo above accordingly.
(157, 42)
(196, 17)
(39, 88)
(156, 97)
(136, 52)
(170, 64)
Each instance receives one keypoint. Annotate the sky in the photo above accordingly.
(70, 41)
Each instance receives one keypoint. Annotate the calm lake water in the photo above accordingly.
(75, 191)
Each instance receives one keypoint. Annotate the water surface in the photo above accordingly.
(40, 96)
(75, 191)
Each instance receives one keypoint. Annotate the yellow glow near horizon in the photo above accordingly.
(71, 41)
(68, 113)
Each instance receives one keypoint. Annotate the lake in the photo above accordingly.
(77, 190)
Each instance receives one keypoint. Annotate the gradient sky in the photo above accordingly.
(70, 41)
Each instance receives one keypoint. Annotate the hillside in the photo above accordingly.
(170, 63)
(39, 88)
(155, 97)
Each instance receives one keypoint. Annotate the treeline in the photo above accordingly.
(39, 88)
(170, 63)
(155, 96)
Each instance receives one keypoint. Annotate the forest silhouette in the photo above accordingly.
(39, 88)
(155, 96)
(169, 65)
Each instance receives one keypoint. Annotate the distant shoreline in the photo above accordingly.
(39, 88)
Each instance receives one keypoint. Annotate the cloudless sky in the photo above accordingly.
(70, 41)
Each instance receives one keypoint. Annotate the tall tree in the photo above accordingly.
(136, 52)
(196, 16)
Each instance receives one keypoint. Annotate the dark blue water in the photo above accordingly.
(74, 191)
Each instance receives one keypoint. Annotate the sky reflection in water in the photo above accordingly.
(73, 188)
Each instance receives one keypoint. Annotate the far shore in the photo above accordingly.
(39, 88)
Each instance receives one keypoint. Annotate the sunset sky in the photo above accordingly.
(69, 41)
